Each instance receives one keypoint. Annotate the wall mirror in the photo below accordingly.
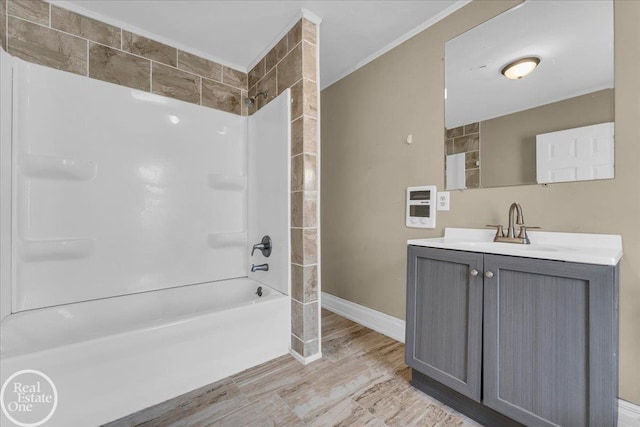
(552, 125)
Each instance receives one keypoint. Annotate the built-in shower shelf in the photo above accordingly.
(52, 167)
(55, 249)
(228, 182)
(224, 240)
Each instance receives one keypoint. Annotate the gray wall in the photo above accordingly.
(366, 167)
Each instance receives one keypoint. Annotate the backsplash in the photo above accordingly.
(466, 139)
(45, 34)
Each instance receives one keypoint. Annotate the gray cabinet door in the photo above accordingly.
(550, 341)
(444, 317)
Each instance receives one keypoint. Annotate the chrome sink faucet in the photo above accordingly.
(515, 207)
(515, 218)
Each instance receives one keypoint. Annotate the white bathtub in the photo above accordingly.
(111, 357)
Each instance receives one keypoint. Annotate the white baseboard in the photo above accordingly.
(628, 413)
(379, 322)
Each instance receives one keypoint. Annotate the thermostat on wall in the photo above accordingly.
(421, 206)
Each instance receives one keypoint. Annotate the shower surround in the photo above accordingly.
(50, 35)
(127, 230)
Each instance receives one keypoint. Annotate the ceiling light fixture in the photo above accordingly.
(520, 68)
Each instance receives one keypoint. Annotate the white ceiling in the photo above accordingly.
(573, 39)
(238, 33)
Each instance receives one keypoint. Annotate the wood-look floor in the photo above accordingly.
(360, 381)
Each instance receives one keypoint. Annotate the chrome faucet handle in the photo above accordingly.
(264, 246)
(523, 231)
(499, 230)
(259, 246)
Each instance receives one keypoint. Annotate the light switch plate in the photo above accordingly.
(443, 201)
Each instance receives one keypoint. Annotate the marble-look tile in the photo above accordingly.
(256, 73)
(276, 54)
(388, 356)
(462, 144)
(262, 388)
(337, 346)
(304, 246)
(310, 98)
(304, 136)
(266, 84)
(471, 159)
(297, 100)
(334, 324)
(438, 416)
(294, 36)
(309, 61)
(304, 209)
(244, 106)
(73, 23)
(174, 83)
(118, 67)
(44, 46)
(32, 10)
(472, 178)
(472, 128)
(310, 144)
(220, 96)
(357, 343)
(309, 31)
(207, 403)
(3, 24)
(345, 413)
(269, 411)
(455, 132)
(234, 78)
(449, 146)
(304, 320)
(148, 48)
(255, 373)
(304, 282)
(290, 69)
(393, 401)
(326, 388)
(270, 376)
(304, 172)
(297, 136)
(305, 349)
(200, 66)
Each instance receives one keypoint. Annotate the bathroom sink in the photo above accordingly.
(603, 249)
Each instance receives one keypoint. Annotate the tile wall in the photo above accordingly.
(466, 139)
(46, 34)
(293, 63)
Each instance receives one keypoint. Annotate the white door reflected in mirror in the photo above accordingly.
(578, 154)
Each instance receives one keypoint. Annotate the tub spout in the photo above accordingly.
(259, 267)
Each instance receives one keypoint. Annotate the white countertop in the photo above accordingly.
(602, 249)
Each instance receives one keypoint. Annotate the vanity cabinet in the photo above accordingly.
(511, 340)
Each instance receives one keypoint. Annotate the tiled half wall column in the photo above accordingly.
(45, 34)
(293, 63)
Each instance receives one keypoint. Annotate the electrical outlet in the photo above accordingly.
(443, 200)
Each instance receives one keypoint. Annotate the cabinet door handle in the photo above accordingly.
(474, 272)
(488, 274)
